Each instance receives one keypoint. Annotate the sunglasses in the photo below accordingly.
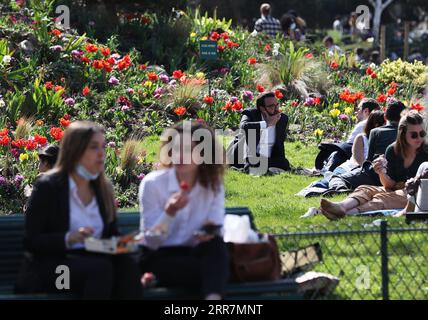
(415, 134)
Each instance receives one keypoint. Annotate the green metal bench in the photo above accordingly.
(11, 252)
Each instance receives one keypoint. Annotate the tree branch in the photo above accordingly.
(387, 3)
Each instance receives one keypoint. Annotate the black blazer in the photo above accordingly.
(48, 214)
(250, 120)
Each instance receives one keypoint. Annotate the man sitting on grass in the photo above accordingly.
(259, 145)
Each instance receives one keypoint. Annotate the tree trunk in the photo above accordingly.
(377, 21)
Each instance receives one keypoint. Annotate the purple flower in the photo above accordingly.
(344, 117)
(3, 180)
(309, 101)
(233, 99)
(173, 82)
(18, 179)
(125, 108)
(141, 176)
(158, 93)
(115, 56)
(113, 81)
(111, 144)
(130, 90)
(69, 102)
(248, 95)
(164, 78)
(76, 53)
(57, 48)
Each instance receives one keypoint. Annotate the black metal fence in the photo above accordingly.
(382, 260)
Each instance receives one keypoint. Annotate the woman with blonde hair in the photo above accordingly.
(401, 162)
(69, 203)
(182, 212)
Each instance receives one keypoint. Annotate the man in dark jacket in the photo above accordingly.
(380, 138)
(260, 141)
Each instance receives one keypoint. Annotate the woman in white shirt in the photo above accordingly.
(71, 202)
(182, 211)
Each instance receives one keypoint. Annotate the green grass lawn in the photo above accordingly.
(273, 203)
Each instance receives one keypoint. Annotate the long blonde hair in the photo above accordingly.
(73, 145)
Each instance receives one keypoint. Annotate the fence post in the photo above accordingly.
(384, 261)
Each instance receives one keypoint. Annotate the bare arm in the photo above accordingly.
(358, 150)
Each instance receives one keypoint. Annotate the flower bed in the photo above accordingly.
(50, 77)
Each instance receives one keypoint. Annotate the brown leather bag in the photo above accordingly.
(254, 261)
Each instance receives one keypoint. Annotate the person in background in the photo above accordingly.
(48, 156)
(380, 138)
(401, 162)
(337, 24)
(333, 155)
(182, 213)
(290, 28)
(266, 23)
(300, 22)
(261, 137)
(359, 150)
(70, 203)
(47, 159)
(359, 56)
(331, 47)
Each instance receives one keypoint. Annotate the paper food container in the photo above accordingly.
(109, 246)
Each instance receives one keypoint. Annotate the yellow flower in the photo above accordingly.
(35, 155)
(336, 105)
(40, 123)
(193, 35)
(148, 84)
(334, 113)
(318, 133)
(200, 75)
(204, 38)
(23, 157)
(349, 110)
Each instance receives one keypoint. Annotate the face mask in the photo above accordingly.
(85, 174)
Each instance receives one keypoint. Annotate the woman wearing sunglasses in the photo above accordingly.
(401, 162)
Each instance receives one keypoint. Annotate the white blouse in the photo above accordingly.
(204, 206)
(83, 216)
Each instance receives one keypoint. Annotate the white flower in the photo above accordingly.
(7, 59)
(2, 103)
(254, 33)
(276, 46)
(275, 52)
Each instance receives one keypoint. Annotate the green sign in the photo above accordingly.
(208, 50)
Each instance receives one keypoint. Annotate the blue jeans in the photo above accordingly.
(323, 183)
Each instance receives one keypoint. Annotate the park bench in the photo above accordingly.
(11, 253)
